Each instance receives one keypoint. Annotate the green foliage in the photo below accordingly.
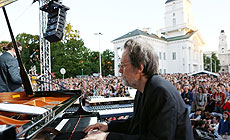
(69, 53)
(3, 44)
(108, 63)
(30, 44)
(215, 62)
(69, 33)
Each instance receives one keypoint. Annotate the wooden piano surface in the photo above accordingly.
(46, 100)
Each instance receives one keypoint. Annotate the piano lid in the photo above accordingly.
(6, 2)
(24, 76)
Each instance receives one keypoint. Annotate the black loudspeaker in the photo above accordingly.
(55, 25)
(56, 20)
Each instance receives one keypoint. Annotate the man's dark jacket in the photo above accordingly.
(10, 79)
(159, 114)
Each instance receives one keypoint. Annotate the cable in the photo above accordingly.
(75, 128)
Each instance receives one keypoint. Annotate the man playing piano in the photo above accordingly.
(159, 111)
(10, 79)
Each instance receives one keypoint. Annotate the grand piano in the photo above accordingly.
(30, 115)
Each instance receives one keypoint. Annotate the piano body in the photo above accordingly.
(23, 115)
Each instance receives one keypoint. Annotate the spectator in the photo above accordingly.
(224, 128)
(188, 98)
(201, 99)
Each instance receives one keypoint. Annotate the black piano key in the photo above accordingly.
(76, 125)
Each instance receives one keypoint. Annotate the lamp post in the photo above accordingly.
(211, 63)
(82, 72)
(99, 52)
(215, 63)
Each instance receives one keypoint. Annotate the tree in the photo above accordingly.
(108, 63)
(71, 55)
(3, 44)
(69, 33)
(213, 59)
(30, 44)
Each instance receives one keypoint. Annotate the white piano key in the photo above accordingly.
(61, 124)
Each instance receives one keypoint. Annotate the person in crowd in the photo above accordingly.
(202, 125)
(195, 91)
(225, 89)
(196, 115)
(201, 99)
(10, 79)
(219, 99)
(226, 106)
(214, 127)
(188, 98)
(159, 111)
(224, 126)
(179, 88)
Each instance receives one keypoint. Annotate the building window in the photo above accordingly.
(174, 56)
(222, 69)
(160, 55)
(164, 56)
(164, 70)
(174, 21)
(160, 70)
(174, 14)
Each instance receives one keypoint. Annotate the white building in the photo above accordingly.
(179, 44)
(223, 53)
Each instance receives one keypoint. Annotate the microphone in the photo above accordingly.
(32, 55)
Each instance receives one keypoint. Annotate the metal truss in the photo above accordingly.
(45, 60)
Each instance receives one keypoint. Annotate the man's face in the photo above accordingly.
(214, 120)
(128, 71)
(20, 49)
(198, 112)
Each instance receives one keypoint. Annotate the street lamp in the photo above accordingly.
(82, 72)
(211, 63)
(99, 52)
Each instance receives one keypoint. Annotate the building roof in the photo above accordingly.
(139, 32)
(135, 33)
(173, 0)
(169, 1)
(204, 72)
(186, 36)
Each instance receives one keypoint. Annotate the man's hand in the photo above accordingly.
(96, 135)
(99, 126)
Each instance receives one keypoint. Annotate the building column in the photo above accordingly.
(116, 61)
(186, 59)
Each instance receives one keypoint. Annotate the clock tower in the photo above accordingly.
(222, 43)
(178, 18)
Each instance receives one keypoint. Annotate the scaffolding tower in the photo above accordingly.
(45, 60)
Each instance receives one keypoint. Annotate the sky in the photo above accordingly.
(114, 18)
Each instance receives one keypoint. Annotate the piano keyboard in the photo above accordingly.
(106, 111)
(100, 99)
(71, 127)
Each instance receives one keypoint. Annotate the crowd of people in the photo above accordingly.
(91, 86)
(206, 96)
(207, 99)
